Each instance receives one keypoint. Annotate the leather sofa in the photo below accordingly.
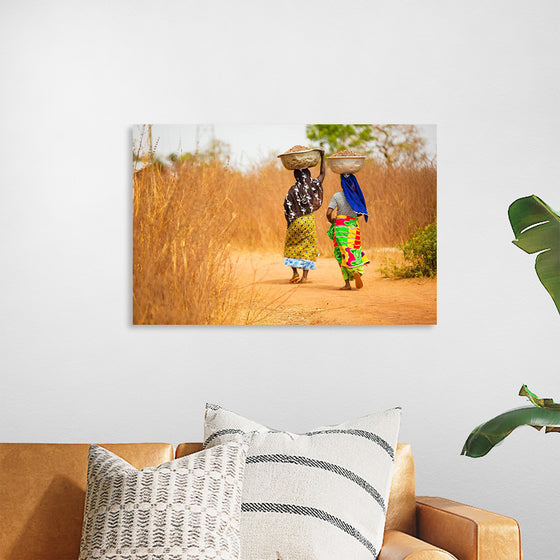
(42, 492)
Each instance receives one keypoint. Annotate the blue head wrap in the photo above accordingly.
(353, 194)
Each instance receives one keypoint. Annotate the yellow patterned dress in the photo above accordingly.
(300, 248)
(303, 198)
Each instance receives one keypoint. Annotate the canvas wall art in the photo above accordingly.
(317, 224)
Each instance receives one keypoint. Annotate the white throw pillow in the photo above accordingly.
(321, 495)
(185, 509)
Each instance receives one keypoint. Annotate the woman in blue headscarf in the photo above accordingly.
(345, 230)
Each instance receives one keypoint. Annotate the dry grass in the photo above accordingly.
(399, 200)
(182, 227)
(187, 222)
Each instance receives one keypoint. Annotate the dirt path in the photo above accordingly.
(271, 300)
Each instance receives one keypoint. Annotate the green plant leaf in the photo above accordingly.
(483, 438)
(543, 413)
(537, 229)
(541, 403)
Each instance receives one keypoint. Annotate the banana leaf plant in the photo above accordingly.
(537, 229)
(542, 413)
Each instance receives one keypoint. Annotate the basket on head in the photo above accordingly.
(300, 157)
(346, 161)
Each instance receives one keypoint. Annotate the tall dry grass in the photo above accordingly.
(182, 226)
(399, 200)
(189, 221)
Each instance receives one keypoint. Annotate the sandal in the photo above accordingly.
(358, 280)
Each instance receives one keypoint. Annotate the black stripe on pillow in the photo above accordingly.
(360, 433)
(221, 433)
(312, 512)
(315, 463)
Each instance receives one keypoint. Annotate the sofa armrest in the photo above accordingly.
(401, 546)
(467, 532)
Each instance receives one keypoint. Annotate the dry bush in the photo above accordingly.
(182, 226)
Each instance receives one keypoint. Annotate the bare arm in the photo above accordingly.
(322, 171)
(329, 215)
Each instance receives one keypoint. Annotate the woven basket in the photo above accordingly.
(300, 160)
(346, 164)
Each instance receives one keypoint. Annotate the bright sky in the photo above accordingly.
(249, 143)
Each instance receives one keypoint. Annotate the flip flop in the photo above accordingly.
(294, 280)
(358, 280)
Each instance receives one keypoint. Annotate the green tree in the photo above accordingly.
(335, 137)
(392, 143)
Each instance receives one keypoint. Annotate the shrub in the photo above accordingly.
(419, 255)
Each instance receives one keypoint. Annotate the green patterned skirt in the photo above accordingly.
(345, 233)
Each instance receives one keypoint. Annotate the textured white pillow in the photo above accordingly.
(185, 509)
(321, 495)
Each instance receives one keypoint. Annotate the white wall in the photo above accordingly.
(75, 77)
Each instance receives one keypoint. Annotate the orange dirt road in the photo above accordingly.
(269, 299)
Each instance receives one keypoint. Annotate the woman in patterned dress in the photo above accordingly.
(303, 198)
(345, 230)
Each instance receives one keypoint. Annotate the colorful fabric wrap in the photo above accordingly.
(345, 233)
(300, 248)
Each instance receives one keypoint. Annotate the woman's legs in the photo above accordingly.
(295, 275)
(357, 276)
(352, 274)
(304, 276)
(346, 276)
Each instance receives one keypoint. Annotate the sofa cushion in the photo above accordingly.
(186, 509)
(322, 494)
(401, 510)
(42, 492)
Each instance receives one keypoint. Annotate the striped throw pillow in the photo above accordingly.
(321, 495)
(187, 509)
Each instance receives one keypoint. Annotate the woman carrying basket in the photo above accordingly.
(303, 198)
(345, 230)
